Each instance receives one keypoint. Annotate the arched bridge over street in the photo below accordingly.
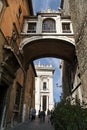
(47, 35)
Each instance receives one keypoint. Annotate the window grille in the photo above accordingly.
(48, 26)
(66, 28)
(31, 28)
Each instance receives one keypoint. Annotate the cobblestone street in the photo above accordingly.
(34, 125)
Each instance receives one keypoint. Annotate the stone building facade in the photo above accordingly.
(44, 88)
(78, 11)
(16, 81)
(50, 33)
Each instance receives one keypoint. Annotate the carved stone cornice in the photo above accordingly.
(48, 11)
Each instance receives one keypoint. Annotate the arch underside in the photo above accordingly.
(48, 48)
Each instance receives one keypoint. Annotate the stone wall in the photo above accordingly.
(79, 19)
(65, 6)
(12, 111)
(68, 72)
(29, 98)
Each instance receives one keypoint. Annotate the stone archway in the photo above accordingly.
(35, 47)
(51, 46)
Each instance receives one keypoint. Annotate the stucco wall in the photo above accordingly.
(10, 15)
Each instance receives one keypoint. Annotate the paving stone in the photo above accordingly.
(34, 125)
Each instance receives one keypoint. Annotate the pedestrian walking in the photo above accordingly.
(39, 114)
(48, 115)
(52, 116)
(43, 116)
(33, 112)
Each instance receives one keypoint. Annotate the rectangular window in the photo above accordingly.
(44, 85)
(17, 98)
(31, 28)
(66, 28)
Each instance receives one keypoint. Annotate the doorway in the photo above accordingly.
(3, 92)
(44, 103)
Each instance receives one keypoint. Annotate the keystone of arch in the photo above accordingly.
(34, 38)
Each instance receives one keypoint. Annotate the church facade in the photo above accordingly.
(44, 88)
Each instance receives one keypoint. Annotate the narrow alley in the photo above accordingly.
(43, 64)
(34, 125)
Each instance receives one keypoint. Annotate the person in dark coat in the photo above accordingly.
(43, 116)
(39, 114)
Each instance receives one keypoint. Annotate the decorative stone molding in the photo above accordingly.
(49, 10)
(31, 39)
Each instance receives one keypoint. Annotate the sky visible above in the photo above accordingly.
(56, 77)
(39, 5)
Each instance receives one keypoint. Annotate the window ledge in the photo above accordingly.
(66, 31)
(31, 31)
(48, 31)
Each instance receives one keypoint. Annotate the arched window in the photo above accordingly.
(48, 26)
